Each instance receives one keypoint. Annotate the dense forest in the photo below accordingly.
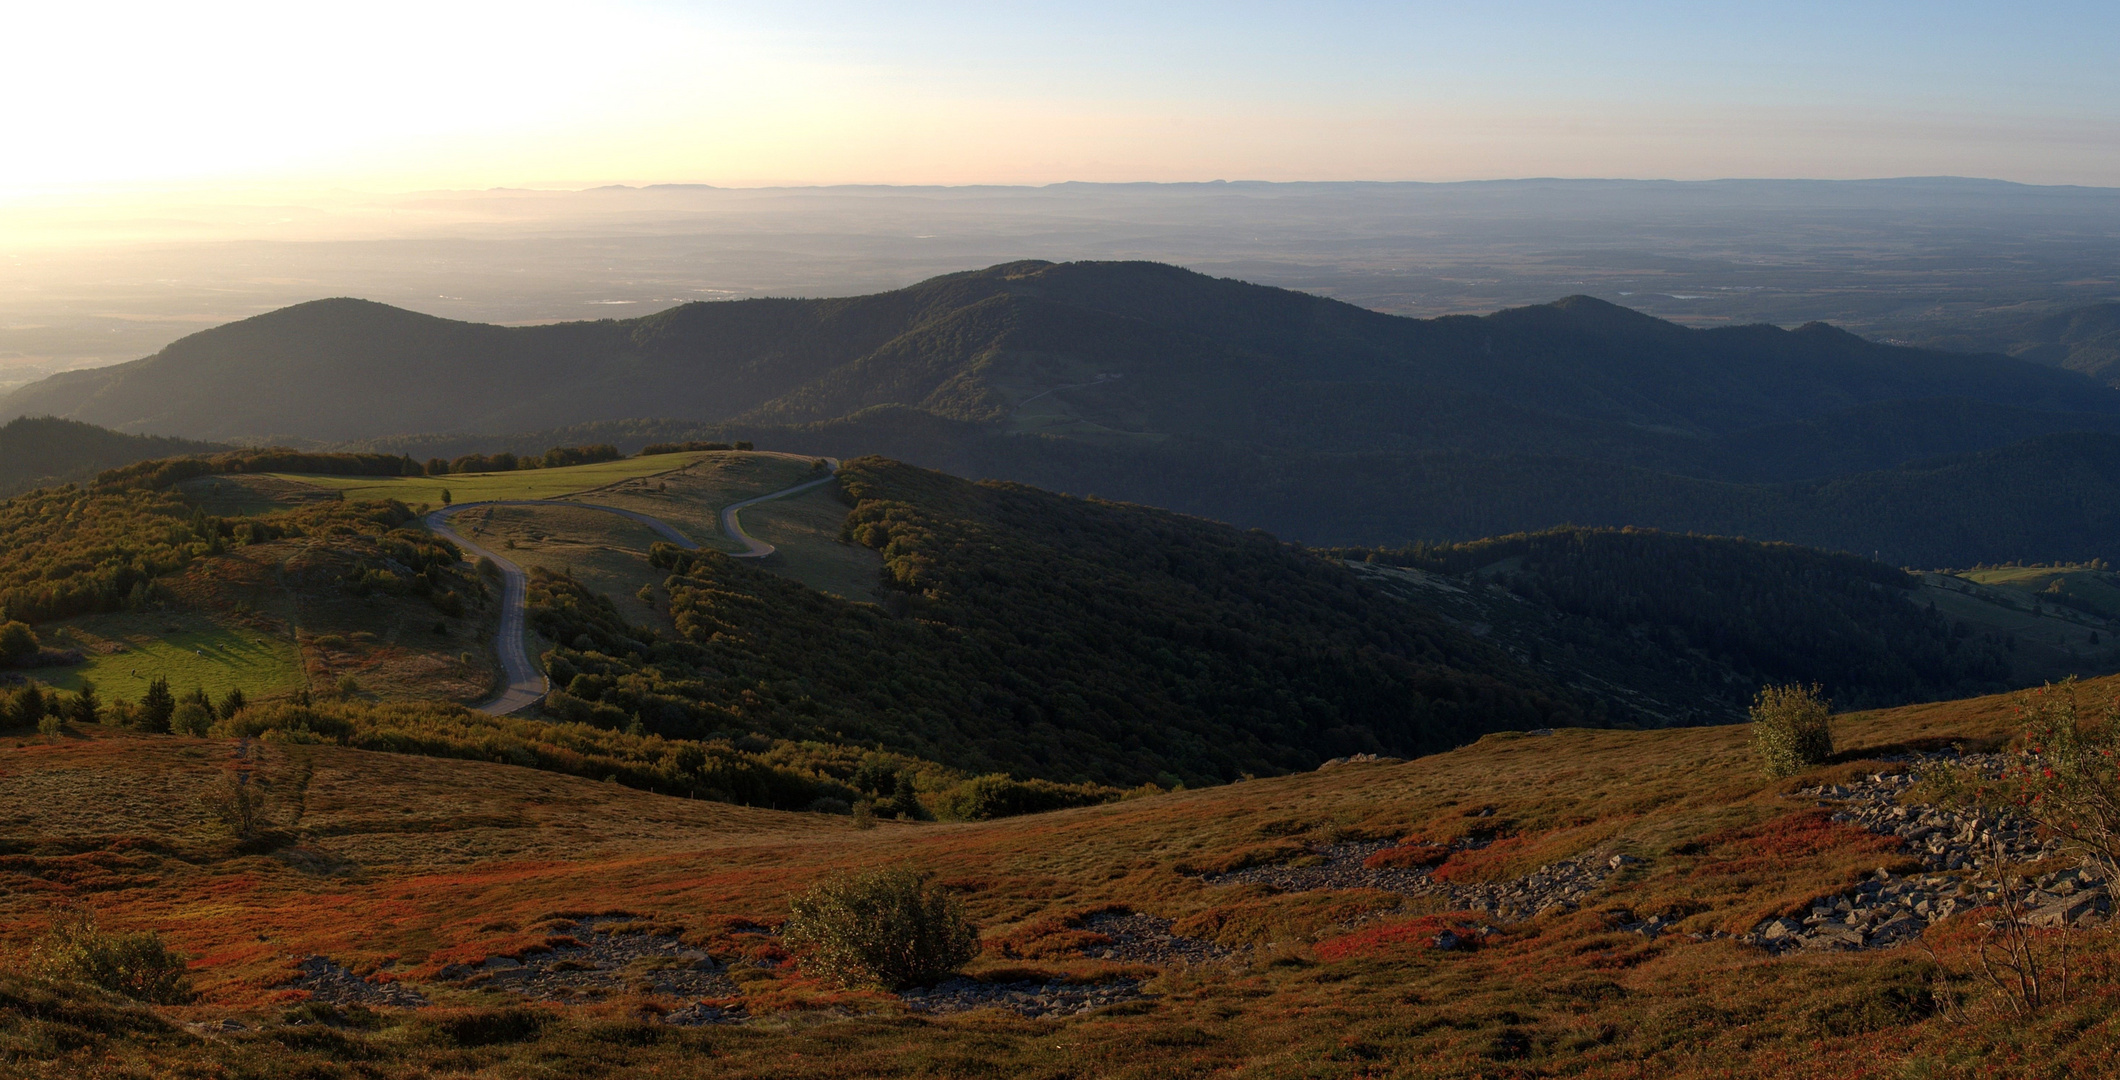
(1027, 632)
(1721, 614)
(45, 451)
(1316, 420)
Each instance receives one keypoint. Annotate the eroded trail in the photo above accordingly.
(526, 685)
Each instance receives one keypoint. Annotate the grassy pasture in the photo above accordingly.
(804, 530)
(603, 551)
(125, 652)
(479, 487)
(400, 865)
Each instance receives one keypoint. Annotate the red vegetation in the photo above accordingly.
(1413, 855)
(1778, 843)
(1393, 938)
(1489, 863)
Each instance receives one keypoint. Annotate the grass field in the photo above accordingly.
(400, 865)
(804, 530)
(479, 487)
(125, 652)
(603, 551)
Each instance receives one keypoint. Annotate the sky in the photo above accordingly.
(398, 95)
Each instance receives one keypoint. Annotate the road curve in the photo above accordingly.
(754, 548)
(526, 685)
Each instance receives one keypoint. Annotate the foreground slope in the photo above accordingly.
(419, 871)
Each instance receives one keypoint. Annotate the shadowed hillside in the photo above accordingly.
(1103, 350)
(40, 451)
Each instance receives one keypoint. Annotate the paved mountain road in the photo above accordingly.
(527, 685)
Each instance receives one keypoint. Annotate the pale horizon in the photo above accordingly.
(408, 97)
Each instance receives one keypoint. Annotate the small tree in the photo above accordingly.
(191, 718)
(1791, 728)
(87, 709)
(157, 706)
(138, 965)
(237, 804)
(17, 642)
(27, 709)
(888, 927)
(446, 497)
(232, 704)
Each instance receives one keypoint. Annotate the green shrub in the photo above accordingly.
(138, 965)
(17, 642)
(1791, 728)
(983, 798)
(887, 927)
(191, 718)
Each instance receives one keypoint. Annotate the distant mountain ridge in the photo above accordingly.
(1264, 407)
(1194, 356)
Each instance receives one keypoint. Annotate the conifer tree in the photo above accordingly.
(157, 706)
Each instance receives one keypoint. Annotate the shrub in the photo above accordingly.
(237, 804)
(26, 707)
(983, 798)
(138, 965)
(1791, 728)
(887, 927)
(17, 642)
(191, 718)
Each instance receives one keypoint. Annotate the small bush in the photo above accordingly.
(17, 642)
(888, 927)
(138, 966)
(191, 718)
(239, 806)
(1791, 728)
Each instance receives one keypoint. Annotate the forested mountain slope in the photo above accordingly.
(40, 451)
(2085, 339)
(1117, 349)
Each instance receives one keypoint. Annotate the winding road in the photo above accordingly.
(526, 685)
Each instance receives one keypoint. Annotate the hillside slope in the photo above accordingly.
(42, 451)
(2085, 339)
(403, 917)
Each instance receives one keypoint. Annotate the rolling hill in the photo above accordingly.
(1113, 350)
(1317, 420)
(399, 917)
(2084, 339)
(41, 451)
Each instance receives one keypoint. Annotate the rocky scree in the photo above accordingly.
(1965, 850)
(1551, 889)
(1024, 997)
(336, 985)
(605, 955)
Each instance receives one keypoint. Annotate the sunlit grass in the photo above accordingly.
(191, 651)
(480, 487)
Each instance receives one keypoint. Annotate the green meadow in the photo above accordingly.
(481, 487)
(188, 650)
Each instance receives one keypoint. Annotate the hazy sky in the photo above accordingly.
(389, 94)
